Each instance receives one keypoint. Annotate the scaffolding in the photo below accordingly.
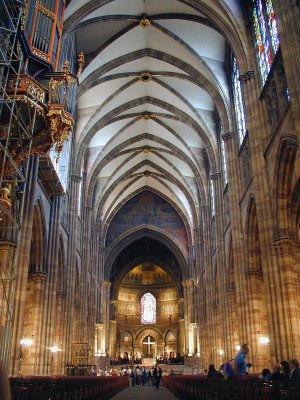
(18, 112)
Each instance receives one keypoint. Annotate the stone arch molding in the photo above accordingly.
(145, 231)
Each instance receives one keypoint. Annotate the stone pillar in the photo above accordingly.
(32, 324)
(220, 308)
(205, 314)
(71, 269)
(105, 313)
(188, 316)
(234, 185)
(254, 279)
(22, 264)
(181, 333)
(7, 273)
(100, 340)
(113, 338)
(84, 306)
(50, 312)
(289, 278)
(232, 339)
(258, 134)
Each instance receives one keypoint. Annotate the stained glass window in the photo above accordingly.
(266, 35)
(148, 309)
(223, 157)
(238, 100)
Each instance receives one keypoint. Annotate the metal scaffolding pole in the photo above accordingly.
(17, 119)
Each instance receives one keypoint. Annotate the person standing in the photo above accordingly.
(295, 368)
(240, 364)
(157, 375)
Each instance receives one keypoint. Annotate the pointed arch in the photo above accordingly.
(283, 189)
(37, 261)
(252, 234)
(230, 276)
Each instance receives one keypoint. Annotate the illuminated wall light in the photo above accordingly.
(26, 342)
(221, 352)
(238, 347)
(54, 349)
(263, 340)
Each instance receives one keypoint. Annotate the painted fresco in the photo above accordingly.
(147, 208)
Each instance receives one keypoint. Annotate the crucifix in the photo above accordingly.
(148, 343)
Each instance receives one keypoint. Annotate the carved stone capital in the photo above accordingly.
(37, 276)
(7, 245)
(215, 176)
(284, 245)
(227, 136)
(254, 272)
(76, 178)
(247, 76)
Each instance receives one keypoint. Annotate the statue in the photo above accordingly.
(5, 196)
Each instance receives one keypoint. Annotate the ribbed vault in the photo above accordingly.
(151, 99)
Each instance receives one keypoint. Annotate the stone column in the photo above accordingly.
(289, 274)
(50, 310)
(105, 313)
(22, 263)
(71, 269)
(7, 273)
(234, 185)
(232, 334)
(222, 322)
(32, 324)
(188, 316)
(205, 315)
(254, 280)
(83, 331)
(258, 134)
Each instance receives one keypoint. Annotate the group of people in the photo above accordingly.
(138, 376)
(283, 372)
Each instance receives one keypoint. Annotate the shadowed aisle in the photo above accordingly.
(144, 392)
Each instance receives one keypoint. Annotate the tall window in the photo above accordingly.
(266, 34)
(224, 166)
(212, 198)
(238, 100)
(148, 309)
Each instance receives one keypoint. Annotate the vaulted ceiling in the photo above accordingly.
(153, 89)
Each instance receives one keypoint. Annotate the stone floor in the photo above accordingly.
(144, 393)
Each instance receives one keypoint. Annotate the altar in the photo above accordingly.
(147, 361)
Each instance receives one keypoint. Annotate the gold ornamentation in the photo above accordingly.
(80, 61)
(145, 77)
(144, 22)
(146, 149)
(66, 67)
(61, 123)
(40, 54)
(5, 196)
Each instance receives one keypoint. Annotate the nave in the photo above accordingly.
(149, 187)
(144, 393)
